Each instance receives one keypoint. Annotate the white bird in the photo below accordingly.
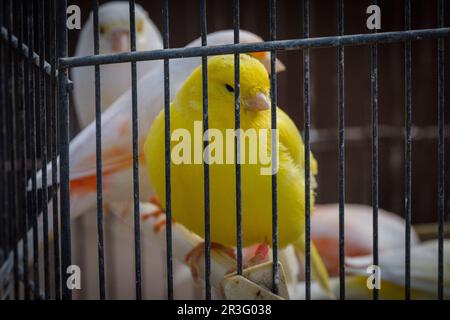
(114, 37)
(424, 272)
(358, 232)
(391, 275)
(358, 241)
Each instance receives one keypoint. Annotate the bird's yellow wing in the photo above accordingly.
(290, 138)
(154, 159)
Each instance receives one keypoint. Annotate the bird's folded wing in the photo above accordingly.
(290, 138)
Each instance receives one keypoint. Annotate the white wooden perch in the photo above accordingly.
(222, 264)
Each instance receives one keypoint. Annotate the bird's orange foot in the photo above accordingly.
(158, 226)
(154, 200)
(194, 257)
(260, 255)
(154, 213)
(158, 213)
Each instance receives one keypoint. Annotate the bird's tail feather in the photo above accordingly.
(319, 271)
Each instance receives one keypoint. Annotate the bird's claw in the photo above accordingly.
(154, 200)
(261, 255)
(155, 213)
(193, 257)
(158, 213)
(157, 227)
(152, 214)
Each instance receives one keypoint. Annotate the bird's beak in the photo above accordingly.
(259, 102)
(120, 41)
(264, 57)
(279, 66)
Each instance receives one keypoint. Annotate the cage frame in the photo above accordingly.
(51, 80)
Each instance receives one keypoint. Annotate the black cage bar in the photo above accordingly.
(34, 119)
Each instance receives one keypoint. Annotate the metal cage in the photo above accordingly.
(34, 97)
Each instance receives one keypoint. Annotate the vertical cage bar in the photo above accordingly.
(137, 227)
(307, 124)
(167, 152)
(7, 235)
(374, 107)
(48, 105)
(408, 152)
(341, 168)
(12, 127)
(30, 93)
(3, 189)
(237, 144)
(37, 112)
(54, 143)
(22, 151)
(5, 204)
(206, 190)
(441, 152)
(43, 145)
(273, 99)
(12, 83)
(98, 153)
(12, 105)
(66, 255)
(49, 97)
(6, 18)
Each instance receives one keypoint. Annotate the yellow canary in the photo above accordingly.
(187, 168)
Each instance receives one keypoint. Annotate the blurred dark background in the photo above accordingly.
(185, 27)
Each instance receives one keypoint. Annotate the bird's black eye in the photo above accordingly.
(229, 88)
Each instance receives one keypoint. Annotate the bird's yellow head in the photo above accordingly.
(254, 85)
